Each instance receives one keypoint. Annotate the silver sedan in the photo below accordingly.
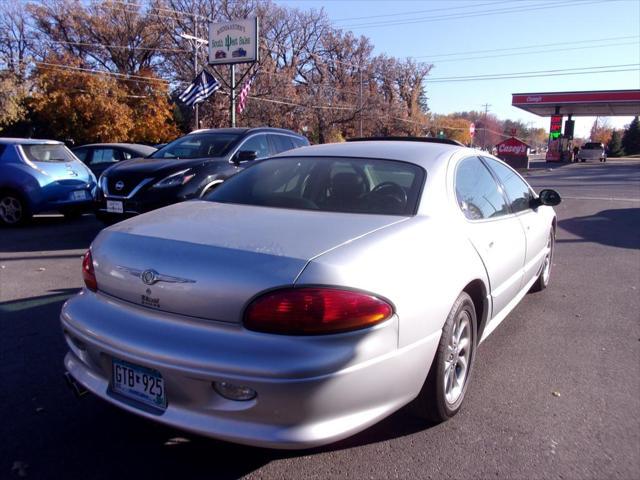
(313, 294)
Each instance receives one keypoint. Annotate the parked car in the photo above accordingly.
(41, 175)
(100, 156)
(188, 167)
(313, 294)
(592, 151)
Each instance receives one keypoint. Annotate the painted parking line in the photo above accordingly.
(614, 199)
(19, 305)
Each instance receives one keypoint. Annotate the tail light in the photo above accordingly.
(313, 311)
(88, 273)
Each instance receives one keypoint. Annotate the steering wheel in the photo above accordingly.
(388, 197)
(390, 189)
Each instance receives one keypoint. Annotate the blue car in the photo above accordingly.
(42, 175)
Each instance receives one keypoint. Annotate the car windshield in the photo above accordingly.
(48, 153)
(346, 185)
(198, 145)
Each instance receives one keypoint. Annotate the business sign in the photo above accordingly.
(512, 147)
(233, 42)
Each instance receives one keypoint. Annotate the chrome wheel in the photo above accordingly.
(458, 357)
(11, 210)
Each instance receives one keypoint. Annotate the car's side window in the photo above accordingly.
(258, 144)
(281, 143)
(516, 188)
(105, 155)
(81, 153)
(477, 192)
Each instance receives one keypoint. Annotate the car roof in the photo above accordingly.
(131, 146)
(421, 153)
(244, 131)
(28, 141)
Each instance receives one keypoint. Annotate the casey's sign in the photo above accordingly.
(512, 147)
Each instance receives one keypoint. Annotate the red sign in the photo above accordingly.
(556, 124)
(472, 129)
(512, 147)
(575, 97)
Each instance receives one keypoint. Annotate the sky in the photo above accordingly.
(481, 37)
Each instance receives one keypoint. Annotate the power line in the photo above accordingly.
(538, 45)
(533, 52)
(482, 13)
(123, 47)
(415, 12)
(492, 76)
(106, 72)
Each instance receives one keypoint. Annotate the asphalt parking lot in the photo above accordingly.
(555, 393)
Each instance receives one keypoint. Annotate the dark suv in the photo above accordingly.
(186, 168)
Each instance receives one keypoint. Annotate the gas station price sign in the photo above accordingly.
(556, 127)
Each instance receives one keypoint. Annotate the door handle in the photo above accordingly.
(491, 244)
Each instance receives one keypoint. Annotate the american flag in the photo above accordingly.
(200, 88)
(244, 94)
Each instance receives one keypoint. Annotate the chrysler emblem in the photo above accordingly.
(149, 277)
(119, 185)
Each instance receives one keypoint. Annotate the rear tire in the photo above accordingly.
(446, 384)
(14, 211)
(545, 275)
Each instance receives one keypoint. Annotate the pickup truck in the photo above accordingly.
(592, 151)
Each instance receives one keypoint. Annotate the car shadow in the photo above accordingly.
(50, 233)
(616, 228)
(53, 433)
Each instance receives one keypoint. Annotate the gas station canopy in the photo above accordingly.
(580, 104)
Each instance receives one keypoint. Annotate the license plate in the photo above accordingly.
(138, 383)
(79, 195)
(114, 206)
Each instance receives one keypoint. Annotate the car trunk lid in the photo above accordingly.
(207, 260)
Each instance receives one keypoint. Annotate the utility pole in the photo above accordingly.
(484, 126)
(360, 71)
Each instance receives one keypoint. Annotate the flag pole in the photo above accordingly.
(195, 64)
(232, 110)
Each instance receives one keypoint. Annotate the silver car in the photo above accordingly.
(311, 295)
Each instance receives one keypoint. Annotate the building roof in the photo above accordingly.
(580, 104)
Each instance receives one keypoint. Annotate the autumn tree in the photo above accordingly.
(600, 131)
(455, 128)
(72, 104)
(15, 43)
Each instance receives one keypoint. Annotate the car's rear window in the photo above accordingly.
(592, 146)
(347, 185)
(48, 153)
(198, 145)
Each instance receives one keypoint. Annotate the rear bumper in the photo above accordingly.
(60, 198)
(311, 390)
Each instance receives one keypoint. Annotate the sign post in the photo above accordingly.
(230, 43)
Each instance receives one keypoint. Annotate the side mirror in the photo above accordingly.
(547, 197)
(245, 156)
